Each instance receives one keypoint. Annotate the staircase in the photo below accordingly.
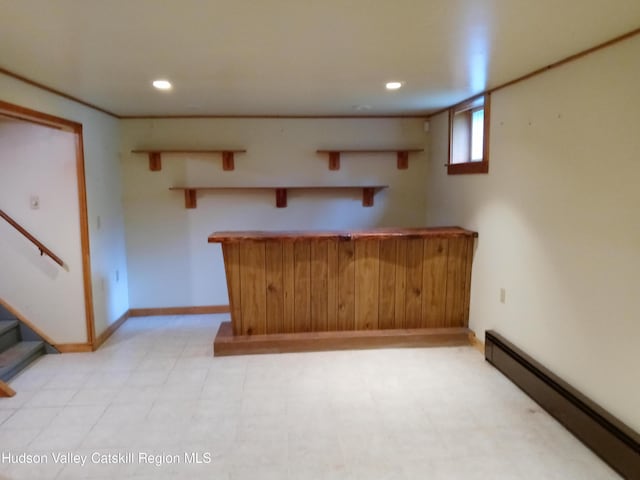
(19, 346)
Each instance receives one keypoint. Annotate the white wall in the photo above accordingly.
(41, 161)
(104, 198)
(558, 222)
(170, 261)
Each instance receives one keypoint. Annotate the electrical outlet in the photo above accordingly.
(503, 295)
(34, 201)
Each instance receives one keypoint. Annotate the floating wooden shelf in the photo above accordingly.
(368, 192)
(155, 157)
(402, 156)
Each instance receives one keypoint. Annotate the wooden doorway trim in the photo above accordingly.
(44, 119)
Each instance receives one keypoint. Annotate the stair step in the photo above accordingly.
(6, 325)
(17, 357)
(9, 334)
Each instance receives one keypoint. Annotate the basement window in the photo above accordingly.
(469, 137)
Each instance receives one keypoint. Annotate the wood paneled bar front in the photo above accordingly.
(306, 290)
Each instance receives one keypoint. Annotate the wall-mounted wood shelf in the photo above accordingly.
(402, 155)
(155, 156)
(368, 192)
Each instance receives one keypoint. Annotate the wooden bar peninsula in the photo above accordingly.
(305, 291)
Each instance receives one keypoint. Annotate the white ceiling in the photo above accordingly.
(288, 57)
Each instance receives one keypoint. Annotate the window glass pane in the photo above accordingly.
(477, 130)
(461, 137)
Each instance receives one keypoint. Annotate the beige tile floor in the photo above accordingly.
(397, 414)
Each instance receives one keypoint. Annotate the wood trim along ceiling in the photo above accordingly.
(544, 69)
(55, 92)
(17, 118)
(425, 115)
(275, 116)
(38, 118)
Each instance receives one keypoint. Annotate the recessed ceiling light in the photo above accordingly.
(162, 84)
(393, 85)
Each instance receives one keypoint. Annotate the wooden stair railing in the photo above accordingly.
(43, 250)
(6, 390)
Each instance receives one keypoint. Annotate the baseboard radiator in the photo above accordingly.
(613, 441)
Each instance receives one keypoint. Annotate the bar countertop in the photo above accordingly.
(372, 234)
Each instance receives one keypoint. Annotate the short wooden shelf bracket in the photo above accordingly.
(190, 198)
(334, 160)
(403, 160)
(281, 197)
(367, 196)
(155, 161)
